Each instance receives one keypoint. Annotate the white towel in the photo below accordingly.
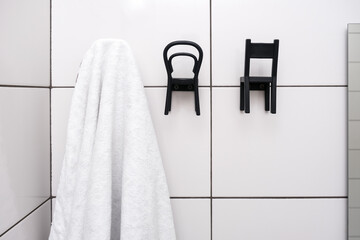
(112, 183)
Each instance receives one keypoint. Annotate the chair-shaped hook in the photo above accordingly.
(182, 84)
(247, 83)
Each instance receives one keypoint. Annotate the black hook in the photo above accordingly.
(182, 84)
(247, 83)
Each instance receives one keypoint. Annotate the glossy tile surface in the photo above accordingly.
(35, 227)
(25, 42)
(24, 152)
(282, 154)
(191, 218)
(281, 219)
(312, 38)
(148, 26)
(61, 101)
(184, 140)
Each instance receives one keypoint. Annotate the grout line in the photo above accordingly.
(190, 197)
(2, 234)
(50, 135)
(285, 86)
(211, 122)
(22, 86)
(290, 197)
(51, 87)
(206, 86)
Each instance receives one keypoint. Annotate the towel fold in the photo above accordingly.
(112, 184)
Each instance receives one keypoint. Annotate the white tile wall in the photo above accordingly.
(148, 26)
(60, 108)
(300, 151)
(25, 42)
(312, 38)
(184, 140)
(191, 218)
(35, 227)
(283, 154)
(282, 219)
(24, 152)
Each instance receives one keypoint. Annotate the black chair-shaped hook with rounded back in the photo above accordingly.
(182, 84)
(247, 83)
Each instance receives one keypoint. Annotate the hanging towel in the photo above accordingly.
(112, 184)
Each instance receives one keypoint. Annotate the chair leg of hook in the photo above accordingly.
(242, 96)
(197, 103)
(247, 96)
(168, 100)
(273, 98)
(267, 97)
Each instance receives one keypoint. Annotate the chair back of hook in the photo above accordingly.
(259, 51)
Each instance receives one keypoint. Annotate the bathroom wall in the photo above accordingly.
(24, 119)
(231, 175)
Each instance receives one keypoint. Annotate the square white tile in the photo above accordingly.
(312, 38)
(354, 163)
(191, 218)
(299, 151)
(279, 219)
(354, 193)
(184, 140)
(354, 76)
(148, 26)
(354, 134)
(60, 109)
(25, 45)
(354, 222)
(24, 152)
(354, 110)
(354, 47)
(35, 227)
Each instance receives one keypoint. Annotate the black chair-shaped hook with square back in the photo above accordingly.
(182, 84)
(247, 83)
